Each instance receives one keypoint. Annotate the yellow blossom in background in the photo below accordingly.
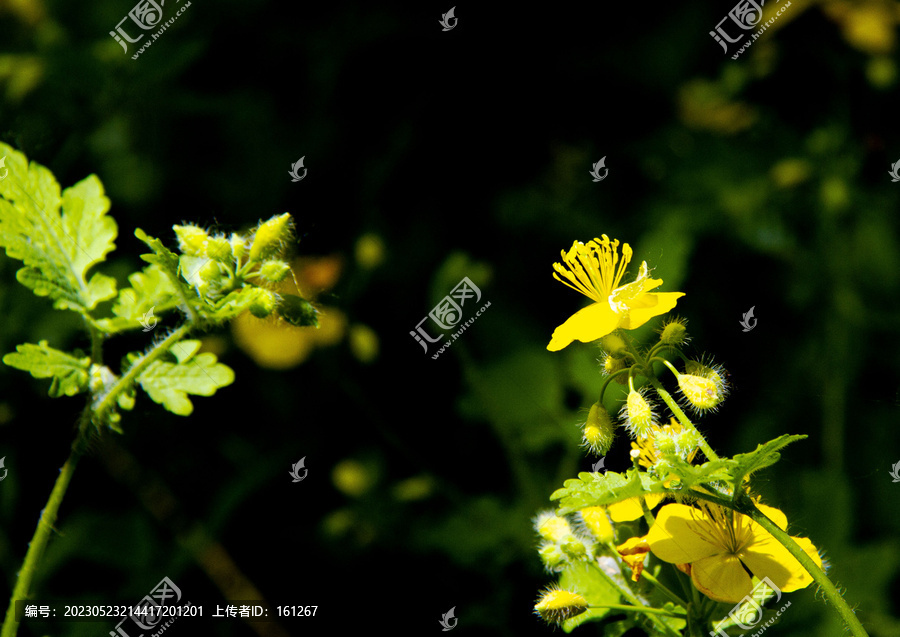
(704, 105)
(867, 26)
(274, 344)
(721, 546)
(369, 251)
(364, 343)
(351, 477)
(595, 269)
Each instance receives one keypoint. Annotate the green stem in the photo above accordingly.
(126, 381)
(635, 604)
(664, 589)
(667, 398)
(640, 609)
(45, 525)
(828, 588)
(608, 379)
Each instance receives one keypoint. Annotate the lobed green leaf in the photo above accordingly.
(170, 383)
(58, 236)
(70, 374)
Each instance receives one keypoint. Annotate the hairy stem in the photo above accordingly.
(128, 379)
(825, 584)
(44, 527)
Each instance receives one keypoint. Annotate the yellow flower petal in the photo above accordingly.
(651, 305)
(593, 322)
(766, 557)
(675, 537)
(628, 510)
(721, 577)
(779, 518)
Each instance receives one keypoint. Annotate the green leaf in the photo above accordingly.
(170, 383)
(57, 248)
(151, 293)
(168, 261)
(763, 456)
(70, 374)
(586, 580)
(596, 489)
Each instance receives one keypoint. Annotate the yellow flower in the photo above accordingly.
(722, 546)
(634, 553)
(630, 509)
(595, 269)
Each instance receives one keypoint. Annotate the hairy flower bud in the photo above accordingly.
(552, 556)
(599, 430)
(556, 605)
(264, 303)
(274, 270)
(269, 236)
(219, 248)
(674, 332)
(191, 240)
(298, 311)
(238, 246)
(638, 414)
(597, 522)
(614, 345)
(552, 527)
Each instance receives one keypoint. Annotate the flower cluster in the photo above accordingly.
(220, 266)
(716, 534)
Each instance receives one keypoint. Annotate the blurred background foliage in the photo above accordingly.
(432, 156)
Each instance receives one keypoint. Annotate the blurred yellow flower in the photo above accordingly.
(369, 250)
(704, 105)
(351, 477)
(867, 26)
(723, 546)
(275, 344)
(595, 269)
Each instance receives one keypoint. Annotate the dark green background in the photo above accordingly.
(468, 152)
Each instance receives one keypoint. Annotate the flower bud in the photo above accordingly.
(238, 246)
(552, 527)
(674, 332)
(264, 303)
(556, 605)
(269, 236)
(700, 392)
(219, 248)
(298, 311)
(575, 548)
(614, 345)
(637, 414)
(597, 522)
(599, 430)
(274, 270)
(191, 240)
(552, 556)
(611, 364)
